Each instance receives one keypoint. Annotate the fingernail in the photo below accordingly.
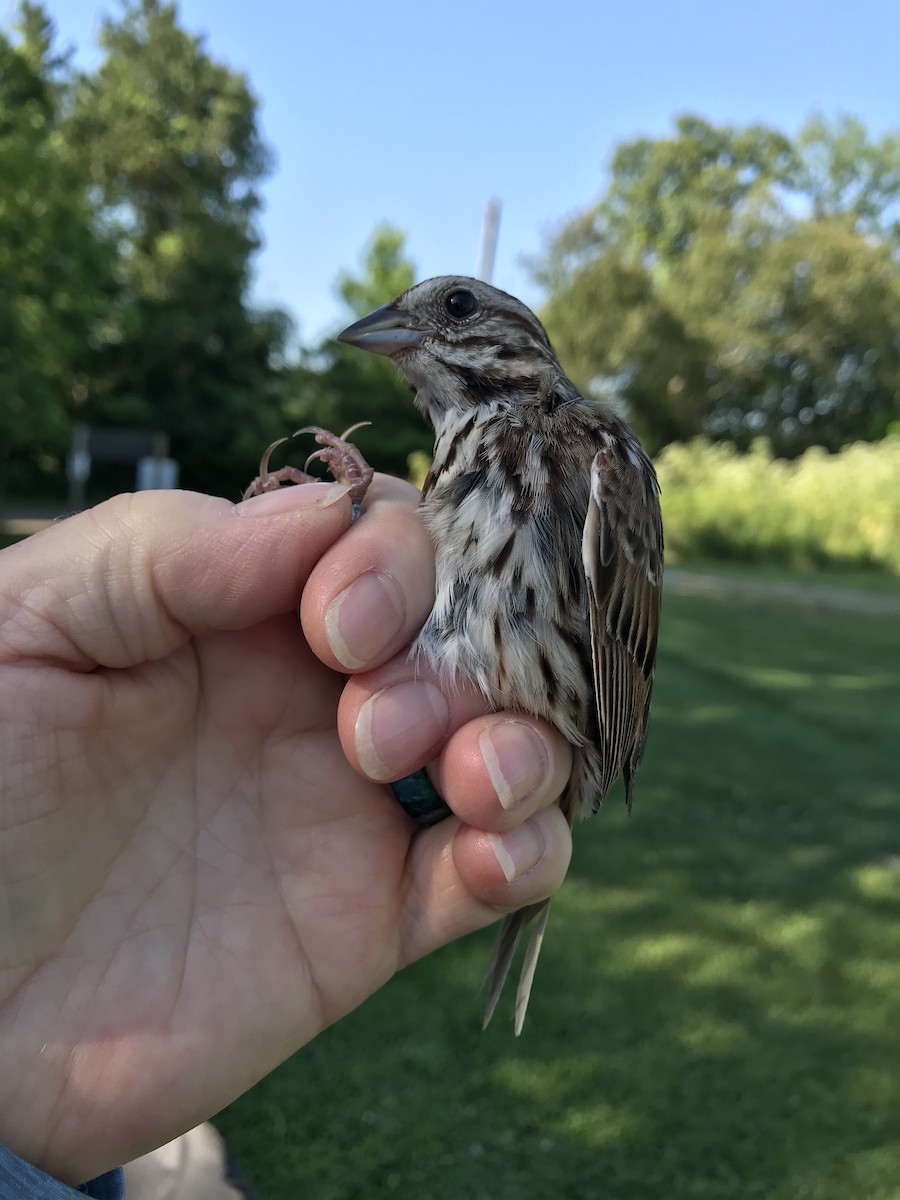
(518, 850)
(516, 759)
(399, 728)
(287, 499)
(364, 619)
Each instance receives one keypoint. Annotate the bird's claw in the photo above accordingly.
(343, 460)
(271, 481)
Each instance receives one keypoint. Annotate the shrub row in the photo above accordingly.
(840, 510)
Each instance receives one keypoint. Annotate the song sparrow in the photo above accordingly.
(544, 511)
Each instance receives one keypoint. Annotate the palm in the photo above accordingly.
(249, 879)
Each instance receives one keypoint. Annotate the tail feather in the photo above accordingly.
(514, 925)
(526, 977)
(504, 951)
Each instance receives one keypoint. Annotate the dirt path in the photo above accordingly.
(684, 582)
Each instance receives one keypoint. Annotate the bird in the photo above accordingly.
(544, 512)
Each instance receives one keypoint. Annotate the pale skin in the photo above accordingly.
(200, 865)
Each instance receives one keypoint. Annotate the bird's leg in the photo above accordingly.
(343, 460)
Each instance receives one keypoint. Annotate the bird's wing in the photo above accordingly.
(622, 553)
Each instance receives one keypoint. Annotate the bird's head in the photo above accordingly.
(457, 342)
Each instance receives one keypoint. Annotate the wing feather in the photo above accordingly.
(622, 554)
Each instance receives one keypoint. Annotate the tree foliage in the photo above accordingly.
(56, 268)
(127, 207)
(733, 282)
(169, 140)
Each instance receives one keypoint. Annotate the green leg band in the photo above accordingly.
(418, 799)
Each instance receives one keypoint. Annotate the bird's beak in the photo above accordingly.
(384, 331)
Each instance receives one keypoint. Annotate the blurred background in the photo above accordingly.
(703, 204)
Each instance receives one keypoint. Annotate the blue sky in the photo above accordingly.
(416, 112)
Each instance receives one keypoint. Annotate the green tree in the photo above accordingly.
(735, 283)
(56, 268)
(846, 173)
(170, 141)
(338, 385)
(665, 193)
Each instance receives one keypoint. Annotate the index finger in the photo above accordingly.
(134, 578)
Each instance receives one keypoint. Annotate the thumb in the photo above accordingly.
(132, 579)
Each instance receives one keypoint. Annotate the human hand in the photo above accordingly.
(197, 871)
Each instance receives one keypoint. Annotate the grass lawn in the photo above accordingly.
(716, 1015)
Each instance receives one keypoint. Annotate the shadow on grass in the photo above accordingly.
(716, 1010)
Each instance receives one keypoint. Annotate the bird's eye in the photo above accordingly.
(460, 303)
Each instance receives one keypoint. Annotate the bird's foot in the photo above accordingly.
(343, 460)
(271, 481)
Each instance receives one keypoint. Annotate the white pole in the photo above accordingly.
(488, 248)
